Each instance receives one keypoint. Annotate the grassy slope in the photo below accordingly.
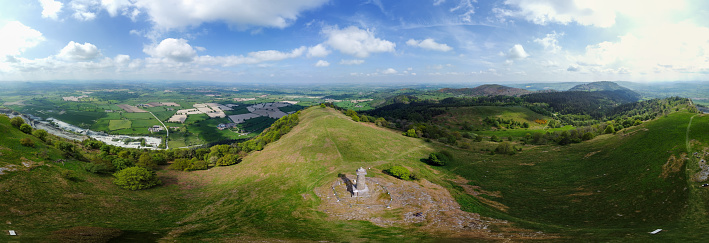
(604, 189)
(270, 194)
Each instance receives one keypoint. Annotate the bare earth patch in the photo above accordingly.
(673, 165)
(422, 205)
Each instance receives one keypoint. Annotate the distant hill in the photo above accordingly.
(487, 90)
(598, 86)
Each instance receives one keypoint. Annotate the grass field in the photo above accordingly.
(119, 124)
(610, 188)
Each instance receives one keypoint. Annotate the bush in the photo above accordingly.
(122, 163)
(136, 178)
(41, 134)
(27, 142)
(438, 159)
(587, 136)
(99, 168)
(26, 128)
(17, 121)
(189, 165)
(505, 148)
(399, 172)
(69, 175)
(228, 159)
(494, 138)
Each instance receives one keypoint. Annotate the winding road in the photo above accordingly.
(167, 130)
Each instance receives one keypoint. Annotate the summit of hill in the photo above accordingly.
(486, 90)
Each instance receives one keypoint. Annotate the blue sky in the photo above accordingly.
(353, 41)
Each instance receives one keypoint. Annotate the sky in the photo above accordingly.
(355, 41)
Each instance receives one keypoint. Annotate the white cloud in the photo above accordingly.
(429, 44)
(550, 42)
(176, 14)
(351, 62)
(322, 63)
(357, 42)
(517, 52)
(467, 9)
(438, 2)
(84, 10)
(251, 58)
(172, 49)
(600, 13)
(113, 6)
(389, 71)
(667, 48)
(50, 8)
(122, 59)
(318, 51)
(79, 52)
(17, 37)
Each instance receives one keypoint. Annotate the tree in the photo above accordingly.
(609, 129)
(399, 172)
(228, 159)
(146, 161)
(587, 136)
(136, 178)
(41, 134)
(505, 148)
(122, 163)
(494, 138)
(27, 142)
(17, 121)
(439, 159)
(381, 122)
(410, 133)
(26, 128)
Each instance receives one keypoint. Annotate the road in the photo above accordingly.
(167, 130)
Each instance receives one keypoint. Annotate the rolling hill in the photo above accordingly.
(614, 187)
(486, 90)
(598, 86)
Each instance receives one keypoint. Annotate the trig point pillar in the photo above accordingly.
(361, 181)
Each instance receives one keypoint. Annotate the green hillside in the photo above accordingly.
(613, 187)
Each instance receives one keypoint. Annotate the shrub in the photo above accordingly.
(99, 168)
(41, 134)
(494, 138)
(411, 133)
(438, 159)
(399, 172)
(122, 163)
(198, 165)
(228, 159)
(505, 148)
(26, 128)
(587, 136)
(69, 175)
(180, 164)
(27, 142)
(17, 121)
(136, 178)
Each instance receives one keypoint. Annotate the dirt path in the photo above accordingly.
(687, 135)
(163, 125)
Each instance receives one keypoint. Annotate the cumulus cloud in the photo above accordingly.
(517, 52)
(429, 44)
(175, 14)
(550, 41)
(680, 47)
(251, 58)
(389, 71)
(50, 8)
(355, 41)
(322, 63)
(17, 37)
(113, 7)
(600, 13)
(351, 62)
(84, 10)
(177, 50)
(79, 52)
(318, 51)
